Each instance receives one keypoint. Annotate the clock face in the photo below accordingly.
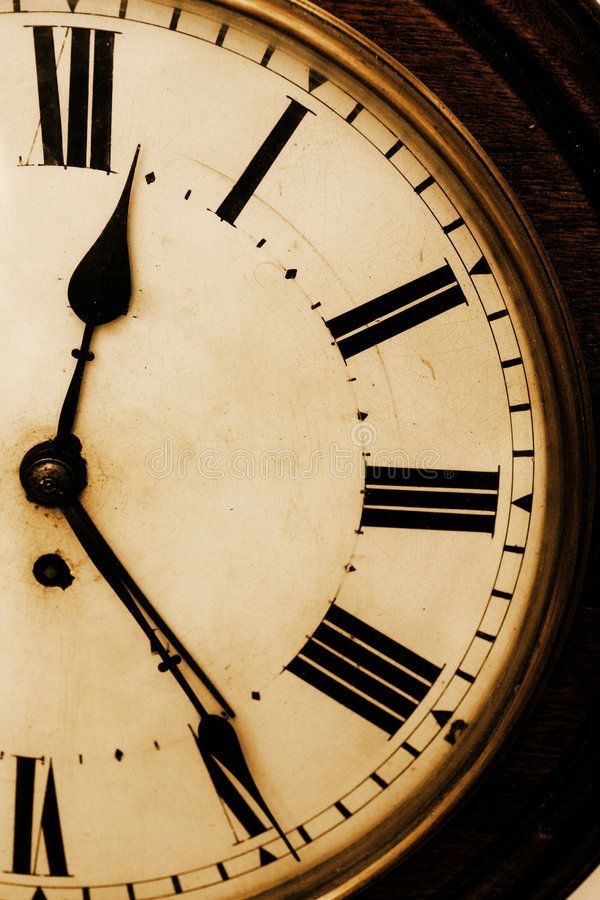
(281, 624)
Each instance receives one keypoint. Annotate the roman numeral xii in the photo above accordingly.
(90, 98)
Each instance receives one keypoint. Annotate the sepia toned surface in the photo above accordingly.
(226, 434)
(519, 78)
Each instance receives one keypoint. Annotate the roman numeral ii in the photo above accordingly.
(49, 827)
(364, 670)
(90, 98)
(400, 309)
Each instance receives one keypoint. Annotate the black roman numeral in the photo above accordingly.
(364, 670)
(100, 93)
(438, 499)
(397, 311)
(250, 179)
(49, 827)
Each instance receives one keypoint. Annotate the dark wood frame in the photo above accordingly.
(523, 78)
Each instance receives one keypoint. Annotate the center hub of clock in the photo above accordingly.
(53, 473)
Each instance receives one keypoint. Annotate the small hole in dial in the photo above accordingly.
(52, 571)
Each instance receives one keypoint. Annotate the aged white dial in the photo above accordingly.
(315, 418)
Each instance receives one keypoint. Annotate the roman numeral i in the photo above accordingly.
(364, 670)
(90, 98)
(258, 167)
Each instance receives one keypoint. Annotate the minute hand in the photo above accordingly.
(216, 738)
(138, 605)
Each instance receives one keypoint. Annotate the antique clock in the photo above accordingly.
(297, 450)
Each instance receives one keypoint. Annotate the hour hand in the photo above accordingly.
(99, 292)
(100, 287)
(140, 608)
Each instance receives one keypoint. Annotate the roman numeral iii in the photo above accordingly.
(90, 98)
(364, 670)
(25, 844)
(438, 499)
(397, 311)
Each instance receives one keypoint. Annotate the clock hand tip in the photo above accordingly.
(216, 739)
(135, 157)
(287, 841)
